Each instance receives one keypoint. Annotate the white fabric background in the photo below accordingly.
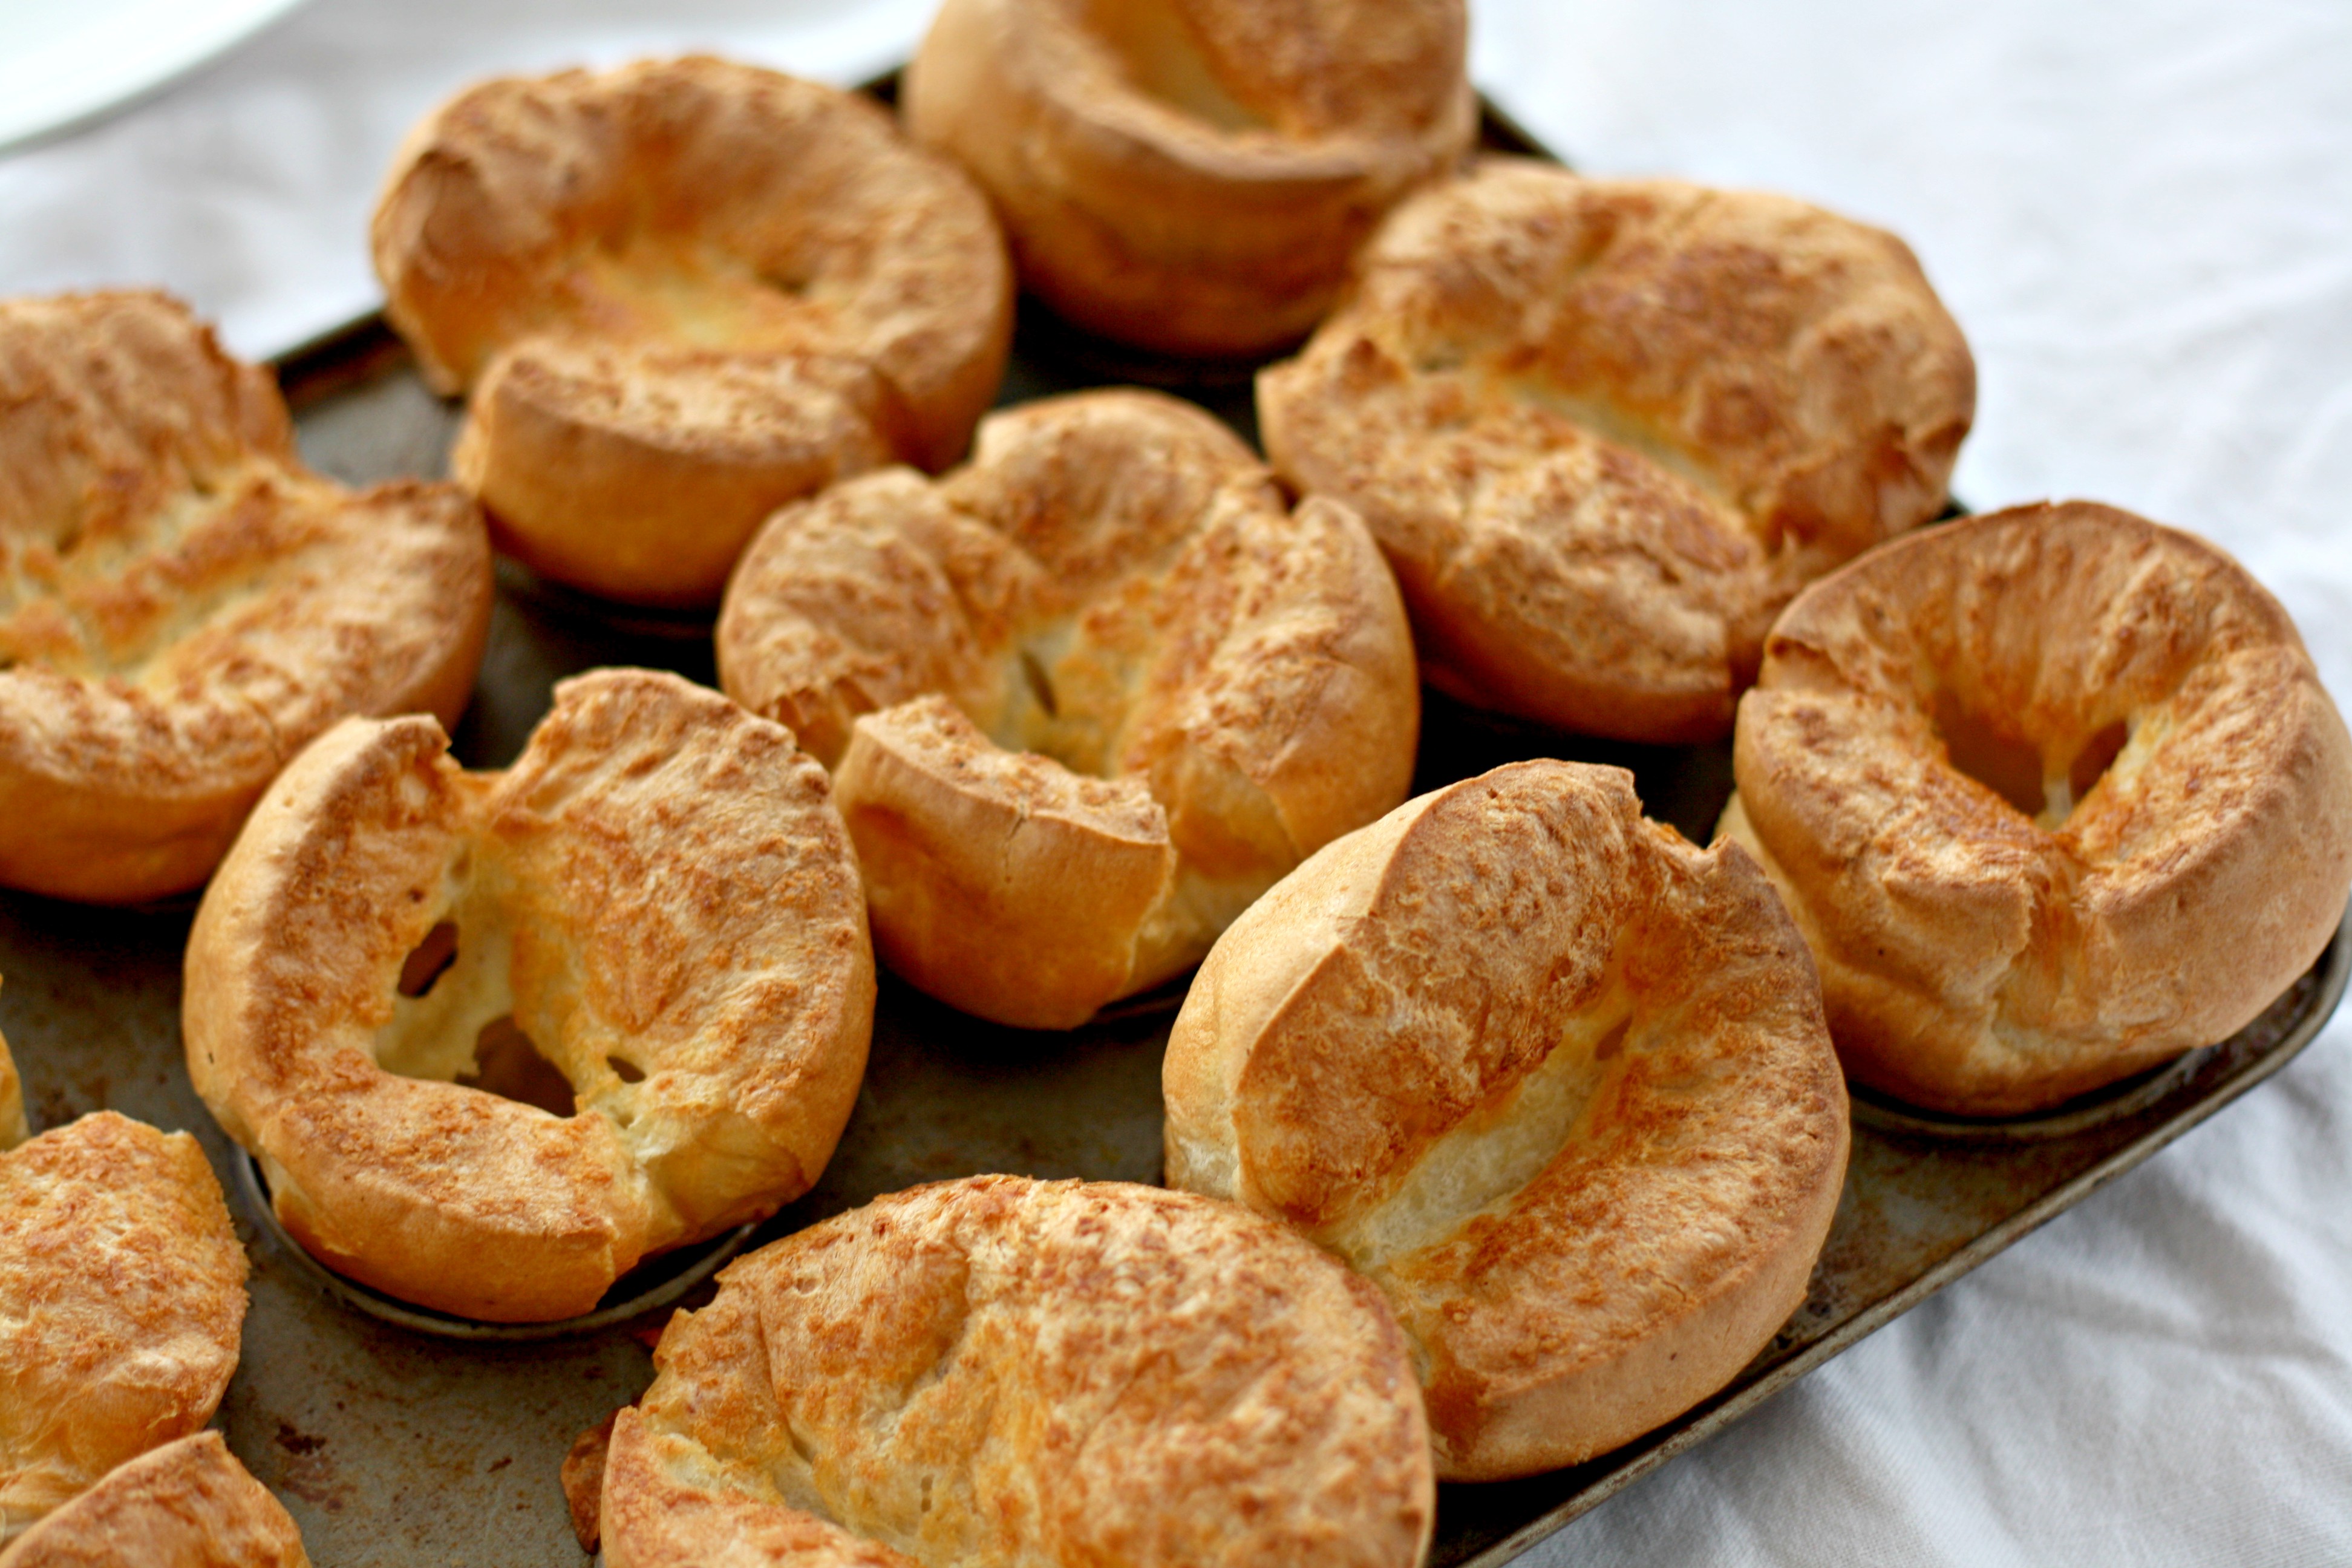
(2141, 212)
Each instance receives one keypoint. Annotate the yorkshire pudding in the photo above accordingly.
(1206, 685)
(2053, 793)
(682, 294)
(1191, 175)
(188, 1504)
(1555, 1080)
(121, 1304)
(1605, 429)
(997, 1370)
(657, 902)
(182, 604)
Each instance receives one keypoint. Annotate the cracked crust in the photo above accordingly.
(182, 604)
(1210, 687)
(1605, 429)
(121, 1304)
(188, 1504)
(658, 895)
(1000, 1369)
(681, 294)
(1555, 1080)
(1191, 175)
(1981, 960)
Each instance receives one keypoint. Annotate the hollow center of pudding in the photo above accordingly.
(651, 288)
(454, 1016)
(1494, 1153)
(1994, 753)
(1067, 689)
(1599, 418)
(508, 1065)
(1161, 60)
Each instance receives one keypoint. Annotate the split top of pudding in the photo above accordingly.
(1553, 1079)
(495, 1038)
(183, 606)
(1605, 429)
(1084, 698)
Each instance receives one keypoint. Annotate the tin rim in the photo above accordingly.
(662, 1280)
(2128, 1097)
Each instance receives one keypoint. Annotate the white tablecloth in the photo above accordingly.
(2141, 212)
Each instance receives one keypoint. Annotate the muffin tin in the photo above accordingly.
(396, 1439)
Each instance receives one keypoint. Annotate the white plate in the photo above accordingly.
(64, 61)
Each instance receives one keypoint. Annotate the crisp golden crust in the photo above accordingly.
(182, 604)
(1002, 881)
(1191, 175)
(121, 1304)
(1981, 960)
(188, 1504)
(1214, 685)
(1555, 1080)
(998, 1370)
(1605, 429)
(583, 1476)
(658, 895)
(683, 293)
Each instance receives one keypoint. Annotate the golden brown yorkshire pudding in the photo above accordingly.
(998, 1371)
(1605, 429)
(1083, 698)
(681, 294)
(188, 1504)
(182, 604)
(1556, 1081)
(648, 929)
(121, 1304)
(2054, 795)
(1191, 175)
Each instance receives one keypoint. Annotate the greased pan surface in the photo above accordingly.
(391, 1446)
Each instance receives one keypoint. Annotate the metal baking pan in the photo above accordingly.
(393, 1445)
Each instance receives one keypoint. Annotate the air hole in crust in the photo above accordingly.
(1612, 1044)
(430, 960)
(2091, 763)
(508, 1065)
(2003, 763)
(1041, 685)
(626, 1071)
